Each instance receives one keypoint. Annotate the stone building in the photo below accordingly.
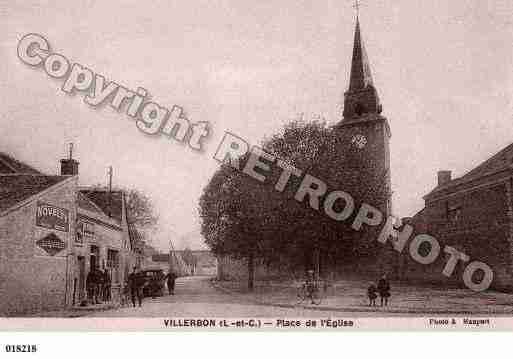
(198, 262)
(364, 130)
(37, 226)
(52, 233)
(474, 214)
(102, 240)
(362, 126)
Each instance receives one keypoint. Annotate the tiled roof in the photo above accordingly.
(498, 162)
(112, 206)
(9, 165)
(17, 188)
(85, 203)
(136, 238)
(5, 169)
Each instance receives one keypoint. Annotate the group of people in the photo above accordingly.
(98, 285)
(382, 289)
(137, 281)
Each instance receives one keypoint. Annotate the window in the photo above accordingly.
(112, 258)
(453, 213)
(359, 109)
(113, 264)
(88, 229)
(79, 238)
(84, 230)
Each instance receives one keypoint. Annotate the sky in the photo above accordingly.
(442, 70)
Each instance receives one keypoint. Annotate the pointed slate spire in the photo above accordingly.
(361, 97)
(361, 75)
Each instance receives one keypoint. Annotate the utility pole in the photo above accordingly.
(172, 255)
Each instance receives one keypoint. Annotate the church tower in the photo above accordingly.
(362, 126)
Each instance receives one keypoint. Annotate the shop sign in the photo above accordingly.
(51, 244)
(52, 217)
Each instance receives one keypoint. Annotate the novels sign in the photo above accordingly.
(52, 217)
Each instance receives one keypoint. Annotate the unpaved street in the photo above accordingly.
(196, 297)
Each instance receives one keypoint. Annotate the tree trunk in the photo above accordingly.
(317, 262)
(251, 272)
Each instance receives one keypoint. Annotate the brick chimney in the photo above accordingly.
(444, 177)
(69, 166)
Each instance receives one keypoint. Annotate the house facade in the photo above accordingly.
(52, 232)
(101, 241)
(473, 214)
(37, 226)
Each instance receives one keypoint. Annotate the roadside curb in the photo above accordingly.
(356, 309)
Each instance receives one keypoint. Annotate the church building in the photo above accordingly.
(364, 132)
(362, 126)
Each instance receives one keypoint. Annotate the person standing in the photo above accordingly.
(384, 289)
(94, 280)
(171, 278)
(134, 282)
(100, 282)
(106, 285)
(90, 283)
(371, 294)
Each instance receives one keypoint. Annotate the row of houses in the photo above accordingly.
(53, 232)
(184, 262)
(196, 262)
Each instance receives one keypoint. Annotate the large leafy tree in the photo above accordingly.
(244, 218)
(233, 209)
(140, 209)
(327, 154)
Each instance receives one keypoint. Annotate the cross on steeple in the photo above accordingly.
(357, 7)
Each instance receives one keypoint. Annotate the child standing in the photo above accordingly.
(372, 294)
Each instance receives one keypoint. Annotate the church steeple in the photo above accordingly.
(361, 75)
(361, 98)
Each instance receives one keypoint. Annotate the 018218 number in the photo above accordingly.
(21, 348)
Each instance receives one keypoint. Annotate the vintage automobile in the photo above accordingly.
(154, 282)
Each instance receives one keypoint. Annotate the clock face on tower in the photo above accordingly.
(359, 141)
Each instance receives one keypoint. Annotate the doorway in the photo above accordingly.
(81, 278)
(94, 258)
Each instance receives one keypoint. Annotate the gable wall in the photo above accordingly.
(30, 279)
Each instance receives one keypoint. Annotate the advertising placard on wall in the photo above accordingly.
(52, 217)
